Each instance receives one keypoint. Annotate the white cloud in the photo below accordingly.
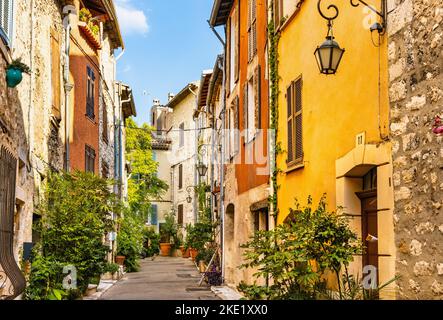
(131, 19)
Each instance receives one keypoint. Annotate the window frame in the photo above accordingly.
(181, 140)
(180, 176)
(252, 29)
(90, 155)
(7, 35)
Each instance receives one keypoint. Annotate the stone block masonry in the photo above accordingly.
(416, 97)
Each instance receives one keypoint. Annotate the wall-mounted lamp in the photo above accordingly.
(202, 169)
(188, 190)
(329, 53)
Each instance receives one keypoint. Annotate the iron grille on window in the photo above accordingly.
(6, 19)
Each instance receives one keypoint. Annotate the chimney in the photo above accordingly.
(170, 96)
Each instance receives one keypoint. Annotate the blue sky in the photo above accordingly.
(168, 44)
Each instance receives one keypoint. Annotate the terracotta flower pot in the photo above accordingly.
(165, 249)
(185, 252)
(120, 260)
(193, 252)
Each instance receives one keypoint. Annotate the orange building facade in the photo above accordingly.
(246, 120)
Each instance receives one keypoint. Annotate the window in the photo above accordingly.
(90, 93)
(154, 215)
(278, 13)
(295, 129)
(180, 215)
(252, 106)
(6, 20)
(252, 29)
(180, 176)
(182, 135)
(89, 159)
(105, 123)
(370, 180)
(234, 35)
(55, 75)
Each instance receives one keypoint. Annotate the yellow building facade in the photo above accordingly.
(334, 129)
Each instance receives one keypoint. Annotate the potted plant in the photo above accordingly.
(120, 260)
(111, 271)
(14, 72)
(167, 231)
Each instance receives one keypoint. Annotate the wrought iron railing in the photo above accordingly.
(12, 281)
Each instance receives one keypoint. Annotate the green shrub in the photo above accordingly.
(297, 255)
(75, 214)
(130, 240)
(151, 242)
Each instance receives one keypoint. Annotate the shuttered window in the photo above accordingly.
(252, 29)
(236, 135)
(6, 20)
(180, 215)
(257, 98)
(55, 75)
(278, 13)
(180, 176)
(295, 122)
(182, 135)
(89, 159)
(90, 93)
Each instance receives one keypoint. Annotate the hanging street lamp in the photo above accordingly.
(202, 169)
(329, 53)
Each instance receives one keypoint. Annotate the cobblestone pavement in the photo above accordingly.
(164, 278)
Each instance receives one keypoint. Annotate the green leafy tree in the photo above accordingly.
(143, 184)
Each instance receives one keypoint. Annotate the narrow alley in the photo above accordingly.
(163, 278)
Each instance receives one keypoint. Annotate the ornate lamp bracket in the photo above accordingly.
(355, 3)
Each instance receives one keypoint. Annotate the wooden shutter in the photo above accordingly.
(257, 96)
(180, 215)
(236, 125)
(290, 148)
(228, 55)
(298, 120)
(180, 176)
(236, 16)
(55, 73)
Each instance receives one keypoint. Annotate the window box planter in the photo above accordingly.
(90, 36)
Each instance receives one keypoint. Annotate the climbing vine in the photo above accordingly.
(274, 36)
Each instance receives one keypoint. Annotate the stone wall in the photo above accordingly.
(416, 90)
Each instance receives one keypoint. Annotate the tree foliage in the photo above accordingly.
(143, 184)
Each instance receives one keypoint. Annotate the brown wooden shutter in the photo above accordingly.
(257, 95)
(298, 120)
(55, 75)
(236, 16)
(290, 148)
(180, 176)
(180, 215)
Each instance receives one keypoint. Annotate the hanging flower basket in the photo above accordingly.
(14, 72)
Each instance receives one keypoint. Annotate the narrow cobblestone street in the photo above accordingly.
(163, 278)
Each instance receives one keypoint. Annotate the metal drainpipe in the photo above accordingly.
(117, 123)
(31, 89)
(68, 10)
(196, 176)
